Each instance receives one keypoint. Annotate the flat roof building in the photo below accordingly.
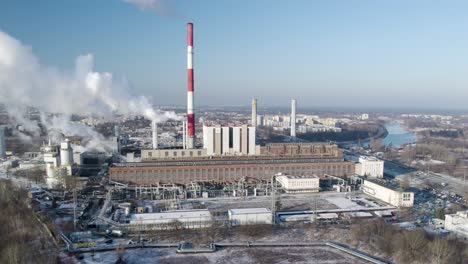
(176, 167)
(250, 216)
(189, 219)
(370, 166)
(296, 184)
(388, 194)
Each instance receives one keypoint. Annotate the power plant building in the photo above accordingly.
(219, 140)
(320, 160)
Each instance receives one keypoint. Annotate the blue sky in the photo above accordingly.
(324, 53)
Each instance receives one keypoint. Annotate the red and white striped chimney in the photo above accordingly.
(190, 89)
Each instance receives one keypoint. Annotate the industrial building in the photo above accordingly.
(225, 169)
(457, 223)
(388, 194)
(293, 159)
(239, 140)
(164, 220)
(370, 167)
(299, 184)
(319, 150)
(250, 216)
(156, 154)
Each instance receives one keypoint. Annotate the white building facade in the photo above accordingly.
(239, 140)
(370, 167)
(388, 194)
(189, 219)
(296, 184)
(250, 216)
(457, 223)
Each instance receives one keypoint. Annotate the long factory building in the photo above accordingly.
(307, 159)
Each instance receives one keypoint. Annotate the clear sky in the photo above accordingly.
(324, 53)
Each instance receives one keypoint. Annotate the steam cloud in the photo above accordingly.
(25, 82)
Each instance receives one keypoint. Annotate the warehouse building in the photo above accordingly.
(298, 184)
(173, 219)
(388, 194)
(250, 216)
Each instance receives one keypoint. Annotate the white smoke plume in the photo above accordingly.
(25, 82)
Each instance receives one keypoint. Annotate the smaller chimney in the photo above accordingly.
(293, 118)
(254, 112)
(154, 128)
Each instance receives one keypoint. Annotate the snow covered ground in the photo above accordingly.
(229, 255)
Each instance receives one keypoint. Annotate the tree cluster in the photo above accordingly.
(408, 247)
(22, 237)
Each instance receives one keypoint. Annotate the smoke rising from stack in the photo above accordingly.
(24, 81)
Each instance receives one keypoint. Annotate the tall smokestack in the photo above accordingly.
(184, 134)
(254, 112)
(154, 129)
(190, 89)
(2, 142)
(293, 118)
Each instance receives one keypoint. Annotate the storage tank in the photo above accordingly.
(66, 153)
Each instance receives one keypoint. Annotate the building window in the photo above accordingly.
(166, 153)
(175, 153)
(406, 197)
(150, 154)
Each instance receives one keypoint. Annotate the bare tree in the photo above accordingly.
(441, 251)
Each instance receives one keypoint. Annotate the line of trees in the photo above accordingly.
(408, 247)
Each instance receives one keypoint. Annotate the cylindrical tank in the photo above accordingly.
(66, 153)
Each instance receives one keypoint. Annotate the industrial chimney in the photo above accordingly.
(254, 112)
(2, 142)
(154, 129)
(293, 118)
(190, 89)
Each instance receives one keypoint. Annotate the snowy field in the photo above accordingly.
(231, 255)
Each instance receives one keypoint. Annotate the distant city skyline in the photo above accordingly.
(368, 54)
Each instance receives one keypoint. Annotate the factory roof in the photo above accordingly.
(298, 177)
(171, 215)
(387, 185)
(249, 211)
(369, 158)
(226, 161)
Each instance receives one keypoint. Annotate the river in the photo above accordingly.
(398, 135)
